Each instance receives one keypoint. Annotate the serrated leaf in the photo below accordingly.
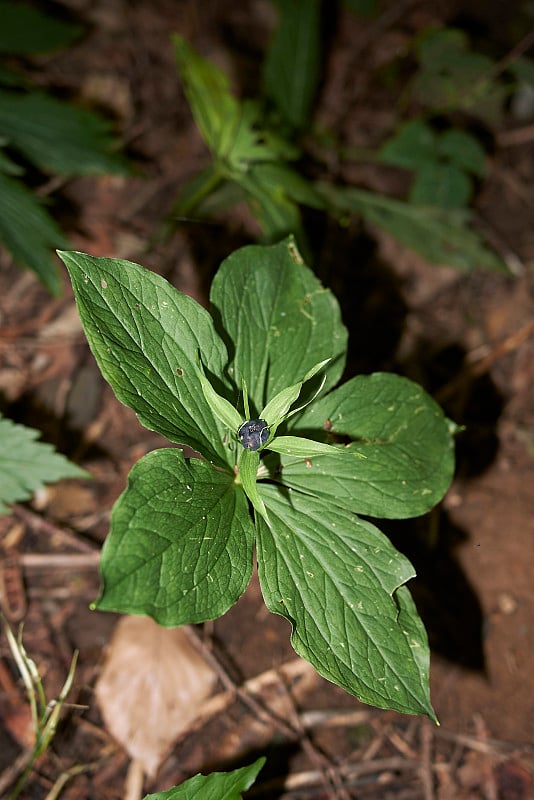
(216, 786)
(146, 337)
(292, 65)
(401, 463)
(29, 232)
(27, 465)
(443, 236)
(25, 29)
(180, 546)
(57, 136)
(334, 576)
(441, 185)
(279, 317)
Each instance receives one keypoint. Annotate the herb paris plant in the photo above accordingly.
(182, 534)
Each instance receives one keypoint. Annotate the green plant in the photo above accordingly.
(217, 785)
(50, 134)
(25, 465)
(182, 534)
(256, 145)
(45, 714)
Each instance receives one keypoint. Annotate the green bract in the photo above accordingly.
(182, 533)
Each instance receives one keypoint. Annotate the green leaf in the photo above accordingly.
(413, 145)
(229, 128)
(180, 546)
(25, 29)
(276, 212)
(463, 150)
(335, 578)
(443, 236)
(523, 70)
(249, 461)
(216, 786)
(304, 448)
(277, 409)
(146, 336)
(26, 465)
(401, 461)
(280, 320)
(442, 186)
(453, 77)
(223, 410)
(57, 136)
(29, 232)
(293, 63)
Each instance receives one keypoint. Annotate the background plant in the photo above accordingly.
(181, 543)
(26, 465)
(256, 145)
(38, 131)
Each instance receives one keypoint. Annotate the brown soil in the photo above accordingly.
(469, 339)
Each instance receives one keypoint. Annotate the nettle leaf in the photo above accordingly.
(401, 462)
(215, 786)
(181, 541)
(27, 465)
(146, 337)
(335, 578)
(278, 320)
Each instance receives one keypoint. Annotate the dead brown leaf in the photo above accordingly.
(151, 688)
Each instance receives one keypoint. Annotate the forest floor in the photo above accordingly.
(467, 337)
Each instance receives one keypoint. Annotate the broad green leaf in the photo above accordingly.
(334, 576)
(401, 462)
(216, 786)
(25, 29)
(26, 465)
(280, 319)
(29, 232)
(293, 63)
(413, 145)
(180, 546)
(441, 185)
(463, 150)
(57, 136)
(443, 236)
(146, 337)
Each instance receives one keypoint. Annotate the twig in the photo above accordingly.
(482, 365)
(292, 729)
(427, 778)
